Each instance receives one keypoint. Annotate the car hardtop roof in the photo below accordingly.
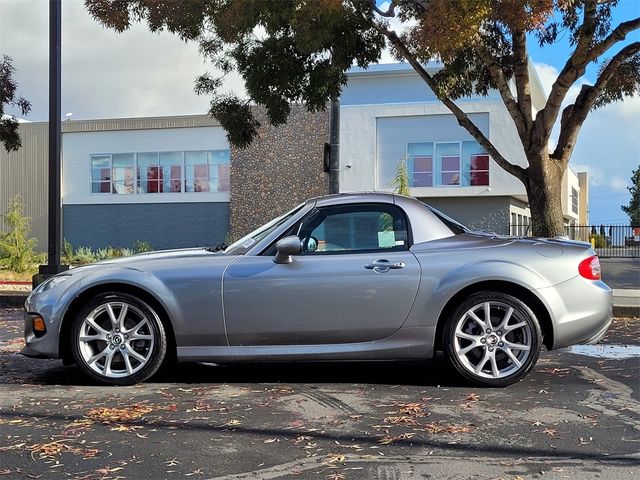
(353, 197)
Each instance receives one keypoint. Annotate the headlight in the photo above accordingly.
(50, 283)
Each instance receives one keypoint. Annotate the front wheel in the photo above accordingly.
(492, 339)
(118, 339)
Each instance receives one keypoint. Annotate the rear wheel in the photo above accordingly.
(118, 339)
(492, 339)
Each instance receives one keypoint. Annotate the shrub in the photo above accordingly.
(102, 254)
(599, 241)
(67, 252)
(142, 246)
(16, 248)
(400, 182)
(83, 256)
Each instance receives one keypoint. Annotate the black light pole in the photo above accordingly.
(334, 147)
(55, 136)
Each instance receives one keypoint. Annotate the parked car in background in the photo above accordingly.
(345, 277)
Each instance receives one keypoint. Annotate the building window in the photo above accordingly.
(171, 165)
(479, 170)
(448, 159)
(123, 171)
(161, 172)
(574, 200)
(149, 173)
(440, 164)
(101, 174)
(520, 226)
(422, 171)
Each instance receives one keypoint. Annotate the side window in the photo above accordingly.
(355, 228)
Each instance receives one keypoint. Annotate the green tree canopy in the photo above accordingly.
(9, 135)
(633, 209)
(299, 51)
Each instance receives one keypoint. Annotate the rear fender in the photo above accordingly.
(438, 287)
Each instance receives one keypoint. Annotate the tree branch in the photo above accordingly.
(574, 115)
(617, 35)
(497, 75)
(576, 64)
(463, 120)
(523, 84)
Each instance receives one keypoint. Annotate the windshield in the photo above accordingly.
(456, 227)
(242, 246)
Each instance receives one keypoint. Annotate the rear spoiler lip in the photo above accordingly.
(563, 239)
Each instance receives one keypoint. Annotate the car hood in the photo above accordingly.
(159, 255)
(150, 260)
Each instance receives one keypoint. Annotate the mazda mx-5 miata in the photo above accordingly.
(344, 277)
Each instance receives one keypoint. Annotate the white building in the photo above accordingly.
(388, 114)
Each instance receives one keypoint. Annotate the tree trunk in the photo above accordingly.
(544, 189)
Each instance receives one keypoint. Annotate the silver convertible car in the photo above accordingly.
(344, 277)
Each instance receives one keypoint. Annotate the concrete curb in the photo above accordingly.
(625, 311)
(12, 299)
(626, 303)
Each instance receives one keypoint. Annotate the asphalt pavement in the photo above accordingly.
(621, 273)
(574, 416)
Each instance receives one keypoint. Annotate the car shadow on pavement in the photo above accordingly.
(424, 373)
(435, 372)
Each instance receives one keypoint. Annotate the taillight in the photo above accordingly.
(590, 269)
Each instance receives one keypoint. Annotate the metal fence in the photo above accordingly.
(610, 241)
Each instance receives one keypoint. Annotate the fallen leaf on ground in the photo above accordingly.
(334, 458)
(443, 428)
(115, 415)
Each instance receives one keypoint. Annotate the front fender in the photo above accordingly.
(137, 278)
(52, 305)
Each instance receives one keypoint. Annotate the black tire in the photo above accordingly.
(132, 370)
(467, 344)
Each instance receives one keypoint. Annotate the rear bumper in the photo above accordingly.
(581, 311)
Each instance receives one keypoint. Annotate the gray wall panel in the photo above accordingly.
(393, 134)
(375, 89)
(25, 172)
(478, 213)
(164, 225)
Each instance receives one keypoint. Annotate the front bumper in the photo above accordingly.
(581, 311)
(47, 345)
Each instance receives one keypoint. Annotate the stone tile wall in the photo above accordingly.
(280, 169)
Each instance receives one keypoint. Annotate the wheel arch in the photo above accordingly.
(501, 286)
(76, 305)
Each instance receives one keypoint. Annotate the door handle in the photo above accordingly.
(384, 266)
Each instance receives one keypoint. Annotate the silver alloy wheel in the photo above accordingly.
(116, 339)
(492, 340)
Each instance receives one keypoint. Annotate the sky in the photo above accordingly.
(138, 73)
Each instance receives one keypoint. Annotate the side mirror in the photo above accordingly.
(312, 244)
(286, 247)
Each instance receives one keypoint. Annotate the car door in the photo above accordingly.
(354, 281)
